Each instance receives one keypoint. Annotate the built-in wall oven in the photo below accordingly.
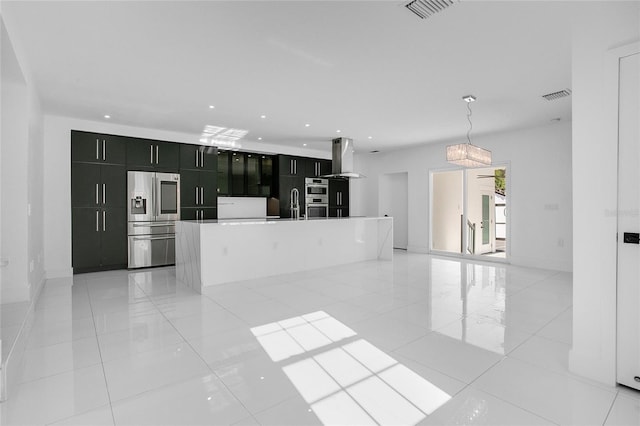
(153, 207)
(316, 197)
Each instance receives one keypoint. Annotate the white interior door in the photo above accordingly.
(628, 304)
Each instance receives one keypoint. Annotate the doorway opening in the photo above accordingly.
(469, 209)
(393, 201)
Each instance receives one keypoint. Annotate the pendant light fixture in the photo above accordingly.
(465, 154)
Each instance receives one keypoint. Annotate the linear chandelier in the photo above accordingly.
(466, 154)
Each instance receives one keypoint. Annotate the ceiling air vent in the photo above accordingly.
(557, 95)
(426, 8)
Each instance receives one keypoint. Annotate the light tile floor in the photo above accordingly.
(420, 340)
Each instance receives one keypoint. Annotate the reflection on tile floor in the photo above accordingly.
(420, 340)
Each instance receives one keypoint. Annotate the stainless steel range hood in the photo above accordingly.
(342, 160)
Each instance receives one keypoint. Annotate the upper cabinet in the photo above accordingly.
(303, 167)
(196, 157)
(97, 148)
(291, 166)
(150, 154)
(223, 173)
(317, 167)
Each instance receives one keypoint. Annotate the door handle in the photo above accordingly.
(152, 238)
(97, 221)
(104, 149)
(97, 194)
(97, 149)
(196, 195)
(201, 158)
(201, 195)
(104, 221)
(197, 214)
(104, 191)
(196, 158)
(157, 149)
(151, 155)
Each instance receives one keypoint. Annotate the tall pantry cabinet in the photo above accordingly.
(98, 201)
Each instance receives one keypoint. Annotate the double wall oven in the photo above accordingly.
(153, 207)
(316, 197)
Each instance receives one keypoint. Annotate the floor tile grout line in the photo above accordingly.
(502, 399)
(104, 373)
(197, 354)
(610, 408)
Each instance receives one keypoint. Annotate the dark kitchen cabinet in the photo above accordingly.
(317, 167)
(146, 154)
(98, 185)
(191, 213)
(338, 212)
(338, 198)
(267, 179)
(196, 157)
(238, 175)
(287, 183)
(97, 148)
(99, 237)
(198, 189)
(113, 240)
(259, 175)
(224, 187)
(292, 166)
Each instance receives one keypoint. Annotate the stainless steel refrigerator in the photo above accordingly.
(153, 207)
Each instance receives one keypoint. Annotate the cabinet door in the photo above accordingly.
(223, 173)
(188, 213)
(85, 185)
(189, 188)
(209, 189)
(338, 193)
(140, 153)
(266, 176)
(209, 158)
(86, 147)
(338, 212)
(238, 182)
(253, 174)
(85, 237)
(208, 213)
(325, 167)
(167, 156)
(114, 149)
(190, 156)
(113, 186)
(291, 166)
(113, 230)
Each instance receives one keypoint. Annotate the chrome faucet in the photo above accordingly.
(294, 207)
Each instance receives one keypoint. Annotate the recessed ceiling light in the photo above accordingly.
(211, 106)
(307, 125)
(107, 116)
(338, 131)
(263, 116)
(260, 138)
(304, 144)
(369, 137)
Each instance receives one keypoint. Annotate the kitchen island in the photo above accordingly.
(213, 252)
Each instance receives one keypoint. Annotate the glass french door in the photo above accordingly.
(468, 214)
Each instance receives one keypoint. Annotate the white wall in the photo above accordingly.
(57, 177)
(20, 179)
(540, 203)
(602, 26)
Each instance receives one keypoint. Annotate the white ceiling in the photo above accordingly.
(368, 68)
